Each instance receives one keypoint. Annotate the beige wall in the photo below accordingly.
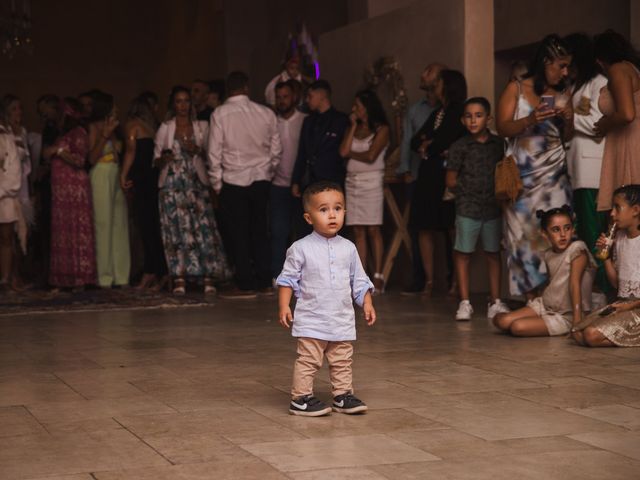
(415, 36)
(519, 22)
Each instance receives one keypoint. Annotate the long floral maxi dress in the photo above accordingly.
(192, 243)
(73, 245)
(541, 159)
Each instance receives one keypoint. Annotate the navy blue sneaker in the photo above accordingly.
(308, 406)
(347, 403)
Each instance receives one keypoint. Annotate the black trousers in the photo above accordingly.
(245, 216)
(147, 214)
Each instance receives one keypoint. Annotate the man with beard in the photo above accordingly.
(283, 203)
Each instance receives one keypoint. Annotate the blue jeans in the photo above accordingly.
(282, 205)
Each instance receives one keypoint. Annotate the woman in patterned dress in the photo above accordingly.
(537, 127)
(73, 251)
(192, 244)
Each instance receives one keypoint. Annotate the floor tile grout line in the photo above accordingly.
(36, 419)
(143, 441)
(60, 378)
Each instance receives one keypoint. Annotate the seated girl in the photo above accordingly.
(571, 270)
(618, 324)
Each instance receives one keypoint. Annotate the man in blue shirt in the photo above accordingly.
(415, 118)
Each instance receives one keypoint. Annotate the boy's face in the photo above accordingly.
(475, 118)
(325, 212)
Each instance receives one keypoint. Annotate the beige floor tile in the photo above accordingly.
(578, 396)
(496, 416)
(196, 448)
(350, 473)
(576, 465)
(31, 456)
(249, 469)
(75, 411)
(622, 415)
(18, 421)
(622, 443)
(79, 476)
(338, 452)
(37, 388)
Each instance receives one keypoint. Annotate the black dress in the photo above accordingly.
(145, 204)
(428, 210)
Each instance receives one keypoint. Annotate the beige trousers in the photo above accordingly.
(310, 355)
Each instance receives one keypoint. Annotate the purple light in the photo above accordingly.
(317, 67)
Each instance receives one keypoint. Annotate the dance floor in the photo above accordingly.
(202, 393)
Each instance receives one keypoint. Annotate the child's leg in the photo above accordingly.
(310, 352)
(529, 327)
(467, 232)
(593, 338)
(339, 357)
(494, 267)
(503, 321)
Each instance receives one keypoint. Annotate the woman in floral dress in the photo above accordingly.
(73, 250)
(192, 244)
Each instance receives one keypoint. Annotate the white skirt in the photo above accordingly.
(365, 198)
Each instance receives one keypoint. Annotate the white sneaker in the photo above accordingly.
(495, 308)
(465, 310)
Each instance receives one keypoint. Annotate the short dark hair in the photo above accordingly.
(202, 82)
(319, 187)
(483, 102)
(217, 86)
(150, 97)
(321, 85)
(237, 81)
(286, 84)
(455, 86)
(545, 216)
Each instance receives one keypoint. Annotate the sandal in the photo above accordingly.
(209, 288)
(179, 286)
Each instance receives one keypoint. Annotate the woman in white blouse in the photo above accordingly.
(584, 157)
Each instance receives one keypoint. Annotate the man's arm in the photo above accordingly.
(214, 153)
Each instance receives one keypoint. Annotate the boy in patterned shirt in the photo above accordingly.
(470, 174)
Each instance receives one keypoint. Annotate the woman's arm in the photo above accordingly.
(380, 141)
(506, 125)
(451, 179)
(345, 146)
(129, 155)
(578, 266)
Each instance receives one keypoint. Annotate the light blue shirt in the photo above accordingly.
(417, 114)
(326, 277)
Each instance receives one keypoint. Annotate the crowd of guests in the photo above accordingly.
(215, 190)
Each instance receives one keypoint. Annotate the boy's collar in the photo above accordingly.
(322, 237)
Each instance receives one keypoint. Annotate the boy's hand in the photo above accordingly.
(285, 317)
(369, 313)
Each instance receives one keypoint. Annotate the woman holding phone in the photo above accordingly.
(192, 244)
(536, 117)
(109, 203)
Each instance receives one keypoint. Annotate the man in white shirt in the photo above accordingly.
(283, 203)
(244, 150)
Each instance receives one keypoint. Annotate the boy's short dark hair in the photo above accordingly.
(237, 81)
(321, 85)
(479, 101)
(319, 187)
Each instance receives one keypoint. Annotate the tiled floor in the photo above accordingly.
(202, 393)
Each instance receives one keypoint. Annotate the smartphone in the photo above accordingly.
(549, 101)
(607, 311)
